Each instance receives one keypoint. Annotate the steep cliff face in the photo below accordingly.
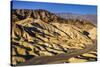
(41, 33)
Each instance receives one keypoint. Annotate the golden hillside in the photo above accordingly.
(41, 34)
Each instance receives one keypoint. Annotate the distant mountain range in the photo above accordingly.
(90, 17)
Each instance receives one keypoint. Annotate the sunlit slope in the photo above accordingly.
(41, 33)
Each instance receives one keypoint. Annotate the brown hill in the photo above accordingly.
(37, 33)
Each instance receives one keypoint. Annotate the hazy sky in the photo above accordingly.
(56, 7)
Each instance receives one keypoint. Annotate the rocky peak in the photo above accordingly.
(44, 15)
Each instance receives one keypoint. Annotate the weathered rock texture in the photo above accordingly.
(37, 33)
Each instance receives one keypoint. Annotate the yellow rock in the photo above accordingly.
(45, 53)
(13, 51)
(76, 60)
(21, 51)
(17, 59)
(89, 55)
